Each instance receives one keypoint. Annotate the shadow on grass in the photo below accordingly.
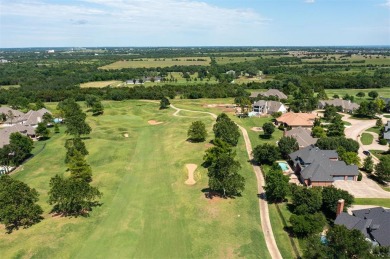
(209, 194)
(265, 136)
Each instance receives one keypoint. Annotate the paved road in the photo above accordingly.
(263, 205)
(356, 129)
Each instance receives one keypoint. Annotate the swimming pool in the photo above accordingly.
(284, 166)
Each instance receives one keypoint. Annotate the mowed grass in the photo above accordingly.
(159, 62)
(373, 201)
(366, 139)
(101, 84)
(227, 60)
(383, 92)
(147, 211)
(7, 87)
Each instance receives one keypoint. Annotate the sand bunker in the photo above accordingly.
(257, 129)
(154, 122)
(126, 135)
(191, 169)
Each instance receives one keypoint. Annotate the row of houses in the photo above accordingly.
(17, 121)
(262, 107)
(156, 79)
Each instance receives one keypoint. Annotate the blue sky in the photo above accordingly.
(80, 23)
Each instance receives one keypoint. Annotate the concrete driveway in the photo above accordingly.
(366, 188)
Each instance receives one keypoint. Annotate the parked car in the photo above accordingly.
(367, 153)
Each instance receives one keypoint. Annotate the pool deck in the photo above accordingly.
(289, 172)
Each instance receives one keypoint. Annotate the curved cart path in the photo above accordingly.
(263, 205)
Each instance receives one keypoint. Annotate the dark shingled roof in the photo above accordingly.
(373, 223)
(317, 166)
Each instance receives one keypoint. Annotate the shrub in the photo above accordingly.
(360, 176)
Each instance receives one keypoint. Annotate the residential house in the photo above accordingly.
(11, 115)
(386, 133)
(268, 107)
(270, 92)
(316, 167)
(31, 118)
(156, 79)
(291, 119)
(374, 223)
(22, 129)
(231, 72)
(302, 135)
(346, 105)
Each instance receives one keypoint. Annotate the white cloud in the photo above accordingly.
(386, 4)
(309, 1)
(168, 19)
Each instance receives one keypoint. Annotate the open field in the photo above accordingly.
(101, 84)
(384, 92)
(159, 62)
(9, 86)
(366, 139)
(227, 60)
(147, 211)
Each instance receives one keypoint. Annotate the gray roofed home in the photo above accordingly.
(346, 105)
(22, 129)
(386, 133)
(274, 92)
(254, 94)
(302, 135)
(268, 107)
(316, 167)
(374, 223)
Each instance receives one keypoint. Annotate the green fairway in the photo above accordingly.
(366, 139)
(383, 92)
(147, 211)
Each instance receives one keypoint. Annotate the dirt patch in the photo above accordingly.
(191, 169)
(154, 122)
(257, 129)
(208, 145)
(126, 135)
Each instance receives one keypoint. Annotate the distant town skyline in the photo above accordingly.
(137, 23)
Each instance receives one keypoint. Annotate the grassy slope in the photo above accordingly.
(147, 210)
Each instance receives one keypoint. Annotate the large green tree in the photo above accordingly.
(73, 145)
(18, 206)
(330, 197)
(268, 129)
(226, 130)
(287, 145)
(164, 103)
(79, 168)
(42, 131)
(336, 128)
(307, 224)
(382, 169)
(74, 118)
(72, 196)
(368, 164)
(276, 185)
(212, 154)
(197, 131)
(266, 154)
(332, 143)
(19, 149)
(306, 200)
(224, 177)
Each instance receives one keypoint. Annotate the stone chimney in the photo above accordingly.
(340, 207)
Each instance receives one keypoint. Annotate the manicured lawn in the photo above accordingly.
(279, 222)
(366, 139)
(374, 129)
(147, 211)
(373, 201)
(385, 92)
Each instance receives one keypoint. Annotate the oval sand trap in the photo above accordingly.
(191, 169)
